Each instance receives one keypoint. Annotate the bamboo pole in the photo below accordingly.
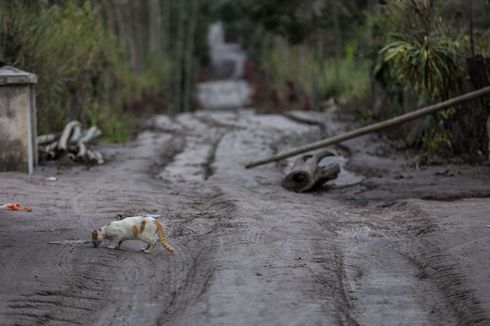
(374, 127)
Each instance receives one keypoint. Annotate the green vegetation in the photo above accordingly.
(74, 57)
(424, 52)
(285, 62)
(105, 64)
(112, 62)
(379, 58)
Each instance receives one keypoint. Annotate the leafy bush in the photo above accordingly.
(82, 70)
(422, 55)
(284, 62)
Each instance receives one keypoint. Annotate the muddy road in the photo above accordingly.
(392, 243)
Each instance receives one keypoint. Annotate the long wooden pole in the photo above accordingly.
(374, 127)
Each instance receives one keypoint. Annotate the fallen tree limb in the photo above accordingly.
(306, 172)
(65, 135)
(46, 139)
(374, 127)
(82, 151)
(76, 134)
(92, 133)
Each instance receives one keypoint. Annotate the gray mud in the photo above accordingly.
(392, 245)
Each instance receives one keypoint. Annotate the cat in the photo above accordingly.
(142, 228)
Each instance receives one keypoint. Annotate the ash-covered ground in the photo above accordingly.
(390, 243)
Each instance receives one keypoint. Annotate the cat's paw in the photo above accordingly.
(146, 251)
(111, 247)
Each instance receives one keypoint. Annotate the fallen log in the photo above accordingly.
(65, 135)
(82, 151)
(92, 133)
(76, 134)
(306, 173)
(374, 127)
(46, 139)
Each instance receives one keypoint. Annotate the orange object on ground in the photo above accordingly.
(15, 207)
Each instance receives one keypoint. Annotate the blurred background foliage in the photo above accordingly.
(376, 58)
(111, 61)
(105, 62)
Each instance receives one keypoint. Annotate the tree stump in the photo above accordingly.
(306, 173)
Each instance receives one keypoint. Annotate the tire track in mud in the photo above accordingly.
(307, 121)
(207, 166)
(394, 262)
(270, 241)
(173, 147)
(443, 272)
(92, 284)
(198, 249)
(359, 273)
(86, 278)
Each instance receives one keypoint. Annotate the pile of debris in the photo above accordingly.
(73, 143)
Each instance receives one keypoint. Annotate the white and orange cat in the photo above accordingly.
(144, 228)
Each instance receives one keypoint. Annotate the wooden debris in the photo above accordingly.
(306, 173)
(46, 139)
(73, 143)
(374, 127)
(66, 134)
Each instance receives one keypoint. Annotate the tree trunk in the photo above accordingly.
(306, 173)
(179, 55)
(134, 14)
(124, 27)
(111, 23)
(166, 25)
(189, 64)
(155, 28)
(338, 45)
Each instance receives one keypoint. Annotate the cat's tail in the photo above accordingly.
(163, 240)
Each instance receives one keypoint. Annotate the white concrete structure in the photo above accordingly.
(18, 131)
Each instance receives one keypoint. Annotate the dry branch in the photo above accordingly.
(65, 135)
(46, 139)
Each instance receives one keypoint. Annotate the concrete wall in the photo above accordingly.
(17, 128)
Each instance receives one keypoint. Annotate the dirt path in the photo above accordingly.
(380, 252)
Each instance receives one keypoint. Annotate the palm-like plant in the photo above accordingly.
(430, 65)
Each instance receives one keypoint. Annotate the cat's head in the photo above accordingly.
(96, 237)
